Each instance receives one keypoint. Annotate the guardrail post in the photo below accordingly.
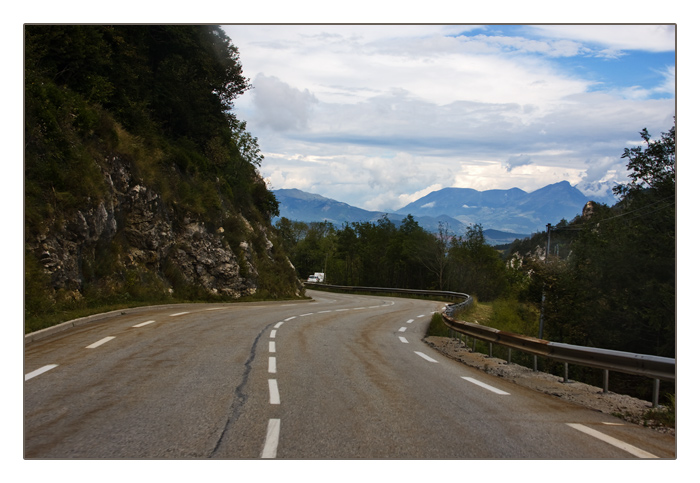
(490, 349)
(509, 351)
(534, 363)
(655, 398)
(566, 372)
(606, 378)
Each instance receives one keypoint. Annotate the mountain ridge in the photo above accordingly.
(506, 211)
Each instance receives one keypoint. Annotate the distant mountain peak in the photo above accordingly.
(511, 210)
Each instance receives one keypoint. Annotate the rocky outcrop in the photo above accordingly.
(133, 231)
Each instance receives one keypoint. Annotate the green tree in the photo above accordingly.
(347, 252)
(651, 167)
(476, 267)
(616, 290)
(431, 251)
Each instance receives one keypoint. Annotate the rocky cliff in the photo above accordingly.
(134, 242)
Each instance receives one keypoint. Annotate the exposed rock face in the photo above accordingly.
(135, 230)
(588, 210)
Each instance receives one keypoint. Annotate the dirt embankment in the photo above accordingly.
(626, 407)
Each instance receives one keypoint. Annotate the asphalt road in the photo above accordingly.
(340, 377)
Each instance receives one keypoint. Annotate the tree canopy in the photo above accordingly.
(158, 94)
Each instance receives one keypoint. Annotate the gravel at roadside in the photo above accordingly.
(626, 407)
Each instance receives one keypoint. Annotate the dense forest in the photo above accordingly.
(608, 279)
(130, 128)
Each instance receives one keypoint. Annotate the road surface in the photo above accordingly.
(339, 377)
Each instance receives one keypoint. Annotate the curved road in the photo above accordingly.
(340, 377)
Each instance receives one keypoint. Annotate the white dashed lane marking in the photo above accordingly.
(39, 371)
(272, 439)
(144, 323)
(486, 386)
(640, 453)
(274, 391)
(403, 339)
(100, 342)
(429, 359)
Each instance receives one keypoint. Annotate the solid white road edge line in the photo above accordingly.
(640, 453)
(143, 323)
(272, 439)
(429, 359)
(39, 371)
(274, 391)
(486, 386)
(100, 342)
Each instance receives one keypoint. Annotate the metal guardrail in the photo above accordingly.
(638, 364)
(408, 291)
(657, 368)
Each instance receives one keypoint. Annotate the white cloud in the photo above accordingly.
(493, 175)
(377, 116)
(651, 38)
(668, 86)
(406, 198)
(280, 106)
(518, 160)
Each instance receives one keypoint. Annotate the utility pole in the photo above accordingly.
(546, 256)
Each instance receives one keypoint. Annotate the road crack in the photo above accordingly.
(240, 396)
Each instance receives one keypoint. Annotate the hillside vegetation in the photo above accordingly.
(140, 182)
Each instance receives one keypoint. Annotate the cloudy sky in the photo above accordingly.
(379, 115)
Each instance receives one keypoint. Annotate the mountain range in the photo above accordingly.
(503, 214)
